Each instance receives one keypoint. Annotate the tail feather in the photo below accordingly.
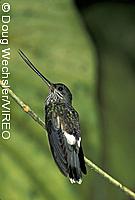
(75, 174)
(82, 161)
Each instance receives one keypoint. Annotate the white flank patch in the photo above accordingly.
(79, 141)
(70, 138)
(58, 121)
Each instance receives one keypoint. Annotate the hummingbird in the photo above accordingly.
(63, 128)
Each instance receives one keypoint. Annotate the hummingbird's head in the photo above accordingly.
(62, 92)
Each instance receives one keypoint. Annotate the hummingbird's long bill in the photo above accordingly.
(29, 63)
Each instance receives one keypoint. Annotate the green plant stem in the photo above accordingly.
(97, 169)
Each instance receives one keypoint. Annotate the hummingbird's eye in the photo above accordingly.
(60, 88)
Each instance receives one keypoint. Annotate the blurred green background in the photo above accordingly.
(90, 47)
